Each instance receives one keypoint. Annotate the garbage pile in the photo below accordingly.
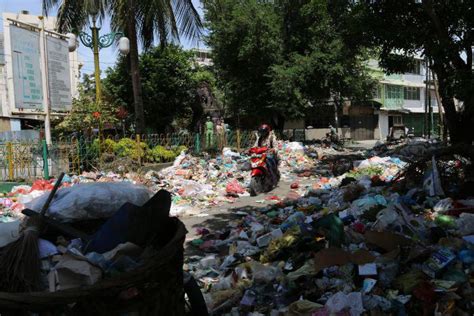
(90, 231)
(196, 182)
(200, 182)
(355, 244)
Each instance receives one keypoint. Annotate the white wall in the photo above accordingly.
(383, 125)
(418, 106)
(413, 78)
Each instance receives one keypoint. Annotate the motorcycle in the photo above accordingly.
(264, 172)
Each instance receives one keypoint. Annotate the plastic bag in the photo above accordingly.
(9, 232)
(91, 200)
(341, 301)
(465, 224)
(193, 189)
(234, 188)
(294, 147)
(227, 152)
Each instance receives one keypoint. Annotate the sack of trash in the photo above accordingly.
(91, 200)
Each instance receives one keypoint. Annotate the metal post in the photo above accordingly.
(78, 159)
(197, 143)
(425, 122)
(45, 160)
(44, 78)
(139, 148)
(430, 106)
(238, 139)
(95, 49)
(10, 161)
(98, 90)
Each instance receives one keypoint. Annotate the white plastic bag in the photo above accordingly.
(9, 232)
(341, 301)
(91, 200)
(295, 147)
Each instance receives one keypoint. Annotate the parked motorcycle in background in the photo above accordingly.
(264, 170)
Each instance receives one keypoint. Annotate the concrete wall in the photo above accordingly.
(320, 133)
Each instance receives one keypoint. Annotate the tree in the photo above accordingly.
(145, 19)
(320, 63)
(85, 112)
(442, 31)
(246, 43)
(168, 85)
(277, 58)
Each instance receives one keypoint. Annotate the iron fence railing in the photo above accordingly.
(27, 160)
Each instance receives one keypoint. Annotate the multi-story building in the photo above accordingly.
(399, 99)
(402, 98)
(14, 115)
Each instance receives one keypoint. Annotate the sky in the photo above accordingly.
(107, 56)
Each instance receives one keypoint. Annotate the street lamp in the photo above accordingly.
(96, 43)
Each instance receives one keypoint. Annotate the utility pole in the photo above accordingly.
(430, 106)
(44, 78)
(425, 122)
(336, 100)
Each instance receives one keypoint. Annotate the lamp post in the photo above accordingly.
(96, 43)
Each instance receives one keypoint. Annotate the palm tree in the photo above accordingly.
(148, 20)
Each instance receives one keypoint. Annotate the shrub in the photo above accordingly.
(129, 148)
(161, 154)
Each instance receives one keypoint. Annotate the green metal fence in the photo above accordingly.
(21, 160)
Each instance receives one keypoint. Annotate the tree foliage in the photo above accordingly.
(86, 113)
(279, 57)
(169, 82)
(442, 31)
(148, 20)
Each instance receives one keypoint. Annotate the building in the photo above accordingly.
(402, 99)
(202, 57)
(63, 71)
(399, 99)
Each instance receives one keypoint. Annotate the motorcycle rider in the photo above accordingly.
(266, 138)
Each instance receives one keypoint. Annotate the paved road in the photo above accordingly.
(217, 217)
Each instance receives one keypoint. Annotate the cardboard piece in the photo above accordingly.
(329, 257)
(385, 240)
(362, 256)
(72, 272)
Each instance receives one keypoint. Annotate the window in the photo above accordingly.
(377, 92)
(412, 93)
(393, 92)
(397, 120)
(415, 67)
